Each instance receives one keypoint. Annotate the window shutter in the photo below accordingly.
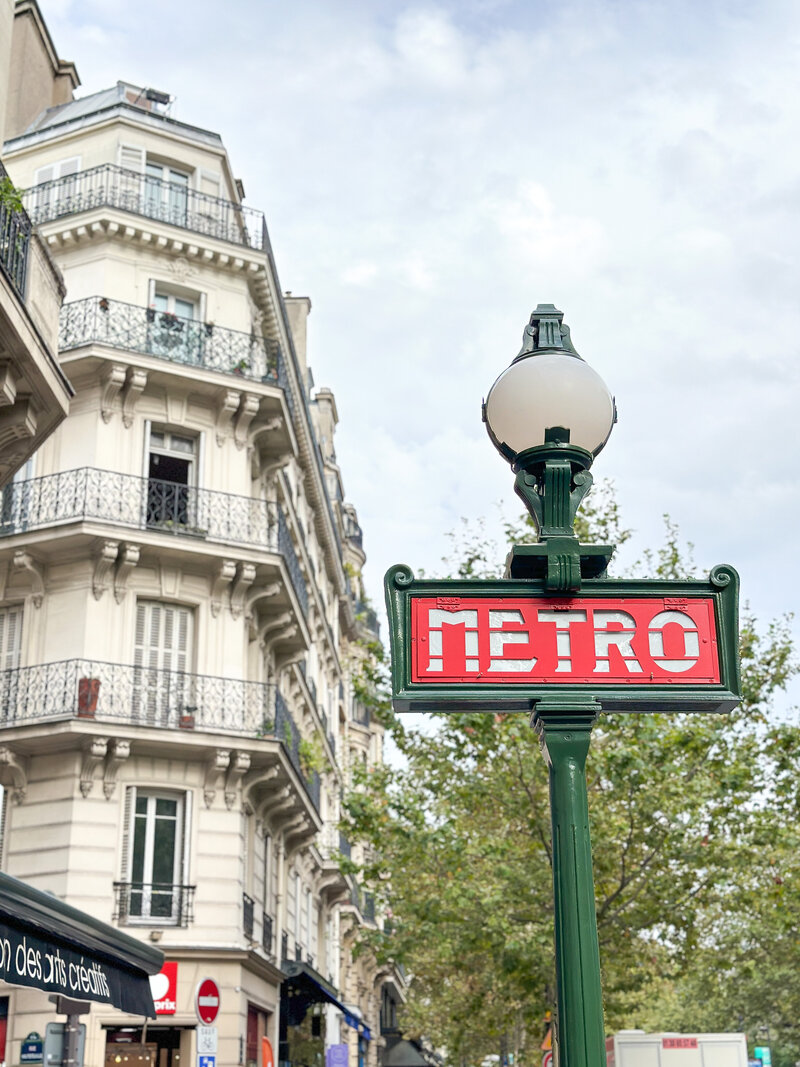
(129, 807)
(131, 157)
(10, 637)
(44, 174)
(186, 843)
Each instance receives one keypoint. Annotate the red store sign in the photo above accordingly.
(164, 987)
(581, 639)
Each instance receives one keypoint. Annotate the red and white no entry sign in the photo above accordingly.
(547, 1059)
(207, 1001)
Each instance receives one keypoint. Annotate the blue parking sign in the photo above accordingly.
(206, 1061)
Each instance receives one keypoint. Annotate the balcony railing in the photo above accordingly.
(141, 194)
(15, 239)
(133, 328)
(248, 916)
(153, 904)
(286, 730)
(266, 933)
(141, 695)
(286, 549)
(143, 504)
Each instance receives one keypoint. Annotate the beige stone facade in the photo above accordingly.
(180, 601)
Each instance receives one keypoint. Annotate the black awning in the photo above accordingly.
(304, 986)
(46, 944)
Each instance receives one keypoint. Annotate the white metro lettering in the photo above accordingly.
(436, 620)
(499, 638)
(691, 640)
(621, 639)
(562, 619)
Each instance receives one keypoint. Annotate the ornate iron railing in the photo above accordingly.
(248, 916)
(142, 194)
(133, 328)
(286, 731)
(15, 239)
(141, 695)
(136, 694)
(141, 503)
(156, 903)
(368, 616)
(266, 933)
(286, 549)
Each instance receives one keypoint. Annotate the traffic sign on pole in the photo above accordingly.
(207, 1002)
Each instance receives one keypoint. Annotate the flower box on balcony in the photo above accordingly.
(88, 692)
(187, 719)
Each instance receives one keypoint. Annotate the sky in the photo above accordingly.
(432, 171)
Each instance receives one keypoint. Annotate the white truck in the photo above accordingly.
(635, 1048)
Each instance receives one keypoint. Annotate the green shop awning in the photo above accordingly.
(48, 945)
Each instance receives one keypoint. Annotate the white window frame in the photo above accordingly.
(180, 875)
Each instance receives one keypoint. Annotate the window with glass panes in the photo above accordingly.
(10, 646)
(156, 852)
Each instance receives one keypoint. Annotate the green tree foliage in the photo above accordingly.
(694, 824)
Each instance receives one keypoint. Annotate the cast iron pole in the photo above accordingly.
(564, 728)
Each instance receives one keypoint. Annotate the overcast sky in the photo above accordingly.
(432, 171)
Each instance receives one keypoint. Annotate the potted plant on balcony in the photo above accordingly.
(170, 321)
(88, 693)
(209, 328)
(241, 367)
(187, 719)
(103, 303)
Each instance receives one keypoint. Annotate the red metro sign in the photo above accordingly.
(581, 639)
(504, 645)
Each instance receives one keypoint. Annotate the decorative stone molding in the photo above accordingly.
(17, 423)
(181, 268)
(15, 768)
(23, 561)
(134, 387)
(239, 766)
(226, 569)
(263, 592)
(227, 405)
(104, 560)
(245, 577)
(127, 560)
(113, 380)
(118, 752)
(248, 409)
(94, 753)
(8, 384)
(216, 765)
(283, 635)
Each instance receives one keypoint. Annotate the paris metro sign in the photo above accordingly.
(504, 645)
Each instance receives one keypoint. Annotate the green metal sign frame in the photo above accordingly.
(722, 587)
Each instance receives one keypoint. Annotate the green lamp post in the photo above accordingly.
(557, 639)
(549, 414)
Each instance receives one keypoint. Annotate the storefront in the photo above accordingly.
(48, 945)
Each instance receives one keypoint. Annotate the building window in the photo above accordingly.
(174, 329)
(166, 193)
(164, 687)
(155, 888)
(171, 477)
(52, 187)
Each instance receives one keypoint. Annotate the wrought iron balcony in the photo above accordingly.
(286, 730)
(141, 695)
(368, 616)
(248, 916)
(142, 194)
(153, 904)
(266, 933)
(143, 504)
(133, 328)
(15, 239)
